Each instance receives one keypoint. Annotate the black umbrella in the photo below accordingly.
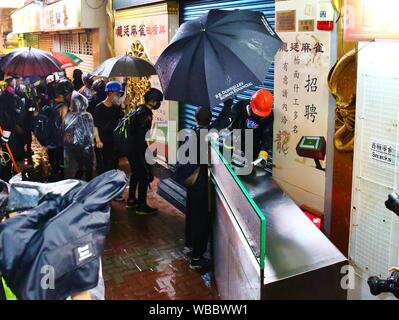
(214, 57)
(125, 66)
(27, 62)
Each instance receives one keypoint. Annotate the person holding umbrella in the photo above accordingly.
(107, 115)
(8, 124)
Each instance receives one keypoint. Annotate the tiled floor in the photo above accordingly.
(144, 260)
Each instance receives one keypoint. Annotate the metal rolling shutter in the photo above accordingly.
(193, 9)
(46, 42)
(81, 45)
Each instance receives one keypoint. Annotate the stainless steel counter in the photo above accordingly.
(300, 262)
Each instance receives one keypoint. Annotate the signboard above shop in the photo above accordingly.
(371, 19)
(62, 15)
(28, 19)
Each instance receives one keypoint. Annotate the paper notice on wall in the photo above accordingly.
(301, 110)
(383, 153)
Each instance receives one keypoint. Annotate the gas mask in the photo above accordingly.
(157, 106)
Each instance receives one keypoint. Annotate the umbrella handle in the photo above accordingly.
(17, 170)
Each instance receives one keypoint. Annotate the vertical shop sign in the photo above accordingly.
(151, 31)
(151, 28)
(301, 109)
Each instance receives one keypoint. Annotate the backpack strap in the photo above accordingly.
(2, 290)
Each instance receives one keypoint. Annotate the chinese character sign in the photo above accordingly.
(301, 101)
(152, 32)
(152, 29)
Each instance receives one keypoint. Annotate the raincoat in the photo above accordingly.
(78, 138)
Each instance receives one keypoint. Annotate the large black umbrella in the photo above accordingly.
(125, 66)
(214, 57)
(27, 62)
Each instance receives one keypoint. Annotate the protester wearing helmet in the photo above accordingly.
(107, 115)
(87, 88)
(255, 114)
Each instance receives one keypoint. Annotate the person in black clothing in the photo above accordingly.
(107, 115)
(141, 174)
(99, 95)
(255, 114)
(77, 79)
(8, 124)
(198, 217)
(56, 113)
(25, 106)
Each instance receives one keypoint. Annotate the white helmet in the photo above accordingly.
(50, 79)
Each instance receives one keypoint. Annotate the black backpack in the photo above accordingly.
(46, 126)
(122, 133)
(21, 110)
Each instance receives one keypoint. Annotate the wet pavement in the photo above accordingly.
(143, 258)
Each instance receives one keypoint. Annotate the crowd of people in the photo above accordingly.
(74, 120)
(76, 123)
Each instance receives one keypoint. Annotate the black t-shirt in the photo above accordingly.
(262, 129)
(106, 119)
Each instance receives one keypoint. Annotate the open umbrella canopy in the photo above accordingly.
(125, 66)
(216, 56)
(67, 59)
(26, 62)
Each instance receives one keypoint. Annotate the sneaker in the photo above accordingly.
(132, 204)
(145, 210)
(200, 263)
(119, 198)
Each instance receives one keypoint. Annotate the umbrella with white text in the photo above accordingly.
(216, 56)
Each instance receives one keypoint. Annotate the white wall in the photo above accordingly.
(374, 235)
(96, 18)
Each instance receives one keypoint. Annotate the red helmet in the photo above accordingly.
(262, 103)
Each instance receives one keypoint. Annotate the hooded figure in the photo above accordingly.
(78, 137)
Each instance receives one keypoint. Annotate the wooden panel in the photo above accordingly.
(46, 42)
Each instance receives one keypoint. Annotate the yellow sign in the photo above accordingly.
(306, 25)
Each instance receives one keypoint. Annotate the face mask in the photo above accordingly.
(157, 106)
(116, 100)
